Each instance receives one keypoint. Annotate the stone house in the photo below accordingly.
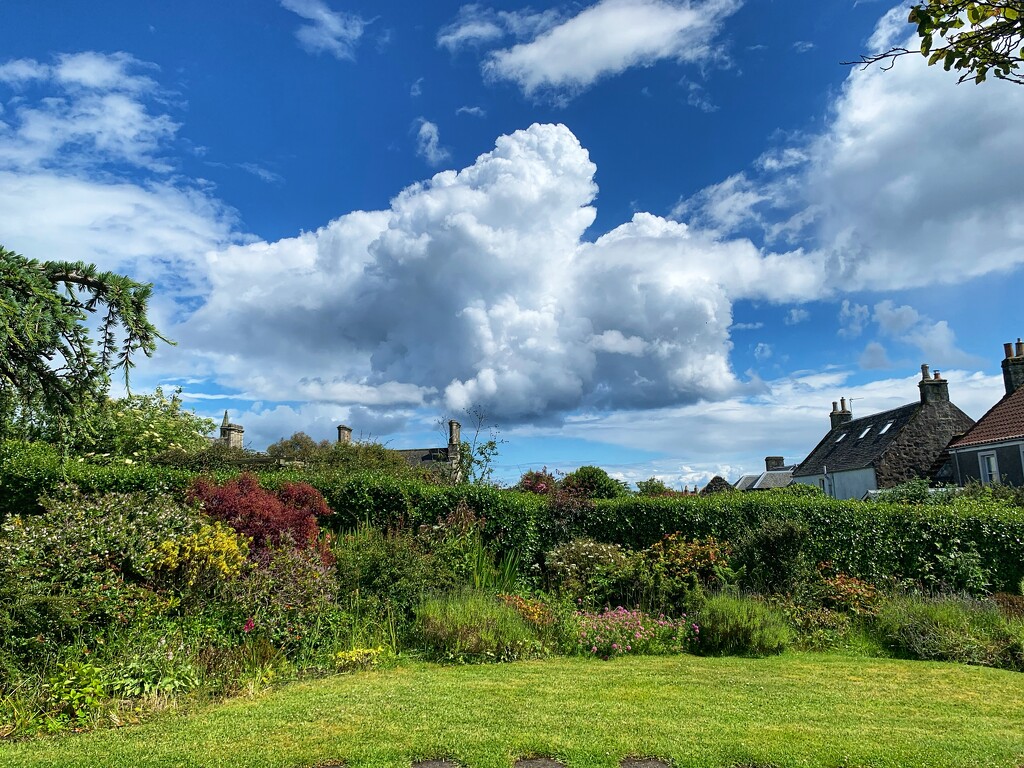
(448, 457)
(231, 435)
(992, 450)
(885, 449)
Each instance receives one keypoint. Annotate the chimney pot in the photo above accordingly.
(842, 400)
(1008, 350)
(1013, 367)
(924, 371)
(1020, 348)
(454, 430)
(936, 376)
(835, 407)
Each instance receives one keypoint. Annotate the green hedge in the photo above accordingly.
(31, 470)
(873, 541)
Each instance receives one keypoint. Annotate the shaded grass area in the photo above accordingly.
(793, 710)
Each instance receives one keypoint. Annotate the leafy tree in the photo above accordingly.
(139, 427)
(652, 487)
(356, 456)
(52, 373)
(594, 483)
(977, 38)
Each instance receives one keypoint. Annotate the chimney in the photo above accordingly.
(344, 434)
(1013, 366)
(934, 389)
(773, 462)
(840, 416)
(454, 431)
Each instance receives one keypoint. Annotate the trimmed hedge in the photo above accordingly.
(876, 542)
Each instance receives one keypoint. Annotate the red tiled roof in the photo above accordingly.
(1004, 421)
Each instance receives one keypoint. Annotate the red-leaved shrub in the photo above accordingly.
(265, 516)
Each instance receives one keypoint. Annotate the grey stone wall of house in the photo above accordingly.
(915, 449)
(1009, 458)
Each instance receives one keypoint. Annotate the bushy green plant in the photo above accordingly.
(673, 573)
(199, 563)
(950, 629)
(284, 594)
(773, 556)
(594, 483)
(734, 625)
(589, 571)
(652, 487)
(389, 568)
(474, 626)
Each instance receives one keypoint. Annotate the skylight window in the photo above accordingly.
(840, 438)
(885, 429)
(866, 430)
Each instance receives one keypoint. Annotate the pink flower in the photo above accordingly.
(249, 625)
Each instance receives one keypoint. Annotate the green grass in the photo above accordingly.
(792, 710)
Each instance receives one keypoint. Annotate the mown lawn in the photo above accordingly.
(793, 710)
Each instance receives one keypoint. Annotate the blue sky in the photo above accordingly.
(655, 235)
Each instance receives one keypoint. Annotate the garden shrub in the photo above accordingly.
(537, 481)
(838, 591)
(594, 483)
(474, 626)
(266, 517)
(590, 572)
(949, 629)
(773, 557)
(284, 594)
(733, 625)
(388, 568)
(200, 562)
(619, 632)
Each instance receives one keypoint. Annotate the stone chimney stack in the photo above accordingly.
(774, 462)
(454, 433)
(840, 416)
(1013, 367)
(231, 435)
(934, 388)
(344, 434)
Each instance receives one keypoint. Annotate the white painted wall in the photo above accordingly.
(852, 484)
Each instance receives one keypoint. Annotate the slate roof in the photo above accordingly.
(853, 451)
(1004, 421)
(746, 482)
(424, 457)
(772, 478)
(775, 478)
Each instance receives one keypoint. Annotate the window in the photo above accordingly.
(866, 430)
(840, 438)
(989, 468)
(885, 429)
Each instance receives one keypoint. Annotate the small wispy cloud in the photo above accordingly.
(428, 143)
(333, 32)
(261, 173)
(472, 111)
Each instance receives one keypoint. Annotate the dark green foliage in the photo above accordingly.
(773, 556)
(52, 374)
(717, 484)
(731, 625)
(594, 483)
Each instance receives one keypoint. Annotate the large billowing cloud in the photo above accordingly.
(478, 288)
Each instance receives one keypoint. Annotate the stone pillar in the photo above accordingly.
(344, 434)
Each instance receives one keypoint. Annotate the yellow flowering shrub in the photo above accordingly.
(215, 553)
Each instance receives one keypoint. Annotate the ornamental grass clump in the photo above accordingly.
(620, 631)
